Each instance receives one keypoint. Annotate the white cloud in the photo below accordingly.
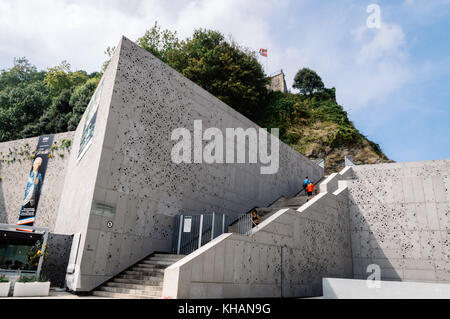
(366, 66)
(49, 31)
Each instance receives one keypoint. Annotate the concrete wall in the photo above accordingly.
(78, 192)
(316, 244)
(15, 166)
(400, 220)
(129, 167)
(331, 183)
(55, 264)
(358, 289)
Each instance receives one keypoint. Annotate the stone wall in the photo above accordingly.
(278, 83)
(315, 241)
(400, 220)
(15, 166)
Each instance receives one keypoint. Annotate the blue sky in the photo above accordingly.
(393, 81)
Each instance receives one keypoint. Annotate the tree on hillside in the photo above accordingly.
(307, 81)
(61, 77)
(159, 43)
(21, 105)
(226, 70)
(21, 72)
(79, 100)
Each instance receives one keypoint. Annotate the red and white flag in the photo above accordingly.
(263, 52)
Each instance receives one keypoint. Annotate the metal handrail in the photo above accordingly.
(245, 222)
(202, 231)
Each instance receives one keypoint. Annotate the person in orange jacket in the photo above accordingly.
(310, 190)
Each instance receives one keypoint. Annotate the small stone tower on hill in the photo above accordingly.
(278, 82)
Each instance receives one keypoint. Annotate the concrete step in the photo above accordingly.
(279, 201)
(297, 201)
(144, 273)
(167, 256)
(157, 281)
(263, 218)
(143, 280)
(108, 294)
(131, 291)
(147, 269)
(263, 211)
(149, 266)
(141, 276)
(158, 262)
(134, 286)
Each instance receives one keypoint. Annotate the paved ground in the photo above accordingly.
(58, 295)
(67, 295)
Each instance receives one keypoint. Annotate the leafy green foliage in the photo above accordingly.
(34, 103)
(61, 78)
(34, 254)
(307, 81)
(226, 70)
(3, 278)
(79, 100)
(21, 72)
(25, 279)
(159, 43)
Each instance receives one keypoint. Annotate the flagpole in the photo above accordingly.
(264, 54)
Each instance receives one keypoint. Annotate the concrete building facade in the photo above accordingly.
(117, 192)
(121, 190)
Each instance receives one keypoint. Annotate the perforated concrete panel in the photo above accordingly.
(124, 192)
(400, 220)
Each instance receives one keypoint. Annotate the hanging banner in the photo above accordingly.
(30, 201)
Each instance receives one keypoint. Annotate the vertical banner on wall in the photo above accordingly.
(30, 201)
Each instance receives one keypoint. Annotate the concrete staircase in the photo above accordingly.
(294, 202)
(144, 280)
(283, 202)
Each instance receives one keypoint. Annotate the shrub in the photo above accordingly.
(27, 279)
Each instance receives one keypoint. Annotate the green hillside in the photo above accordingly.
(319, 128)
(34, 103)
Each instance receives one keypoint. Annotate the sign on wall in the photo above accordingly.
(89, 121)
(103, 210)
(33, 189)
(187, 224)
